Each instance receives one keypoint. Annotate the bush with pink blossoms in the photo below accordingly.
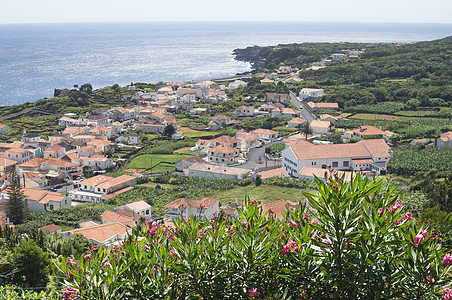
(355, 243)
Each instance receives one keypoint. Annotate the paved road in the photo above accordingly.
(253, 155)
(304, 111)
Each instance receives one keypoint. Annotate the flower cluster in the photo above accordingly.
(290, 245)
(447, 259)
(447, 294)
(252, 293)
(69, 293)
(423, 234)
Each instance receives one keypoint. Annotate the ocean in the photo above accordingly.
(35, 59)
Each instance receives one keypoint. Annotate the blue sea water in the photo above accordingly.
(37, 58)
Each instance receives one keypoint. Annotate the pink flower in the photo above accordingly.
(447, 294)
(305, 218)
(408, 216)
(87, 256)
(447, 259)
(107, 264)
(252, 293)
(304, 295)
(69, 274)
(397, 206)
(429, 279)
(171, 254)
(424, 233)
(285, 250)
(245, 224)
(70, 261)
(315, 221)
(326, 241)
(155, 270)
(271, 211)
(146, 247)
(380, 211)
(170, 235)
(360, 217)
(69, 293)
(418, 238)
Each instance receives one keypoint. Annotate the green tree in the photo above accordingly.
(16, 206)
(169, 130)
(87, 87)
(306, 129)
(31, 264)
(258, 180)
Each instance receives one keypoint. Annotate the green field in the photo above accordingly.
(196, 133)
(264, 193)
(147, 161)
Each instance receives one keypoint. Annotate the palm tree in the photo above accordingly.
(306, 129)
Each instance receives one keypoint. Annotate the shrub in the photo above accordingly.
(357, 244)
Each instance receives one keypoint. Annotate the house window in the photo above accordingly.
(345, 163)
(51, 206)
(147, 212)
(335, 164)
(323, 166)
(314, 163)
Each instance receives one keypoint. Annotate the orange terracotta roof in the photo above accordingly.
(377, 147)
(101, 233)
(264, 131)
(118, 192)
(184, 202)
(331, 151)
(320, 173)
(369, 130)
(223, 149)
(50, 228)
(113, 217)
(279, 207)
(272, 173)
(225, 139)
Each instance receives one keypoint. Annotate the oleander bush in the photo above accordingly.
(354, 242)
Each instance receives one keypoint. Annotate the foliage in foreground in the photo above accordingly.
(357, 243)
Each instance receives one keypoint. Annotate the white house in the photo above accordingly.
(42, 200)
(237, 84)
(296, 122)
(189, 161)
(20, 155)
(309, 93)
(140, 208)
(244, 111)
(97, 162)
(97, 188)
(265, 134)
(285, 112)
(444, 140)
(131, 139)
(338, 56)
(205, 209)
(223, 155)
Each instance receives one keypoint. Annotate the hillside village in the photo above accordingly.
(73, 165)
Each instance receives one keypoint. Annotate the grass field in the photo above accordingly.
(148, 160)
(264, 193)
(186, 150)
(375, 117)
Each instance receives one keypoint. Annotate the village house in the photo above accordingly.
(154, 128)
(202, 144)
(321, 127)
(338, 56)
(368, 131)
(20, 155)
(278, 208)
(444, 140)
(323, 106)
(97, 120)
(418, 141)
(3, 128)
(52, 168)
(296, 123)
(131, 139)
(205, 209)
(309, 173)
(85, 138)
(265, 134)
(215, 172)
(237, 84)
(231, 209)
(103, 145)
(309, 93)
(223, 155)
(200, 110)
(7, 166)
(285, 112)
(189, 161)
(108, 217)
(329, 118)
(244, 111)
(102, 235)
(278, 172)
(370, 155)
(51, 228)
(140, 208)
(76, 130)
(58, 137)
(65, 121)
(267, 81)
(225, 140)
(55, 151)
(248, 142)
(97, 162)
(107, 131)
(279, 98)
(98, 188)
(31, 137)
(42, 200)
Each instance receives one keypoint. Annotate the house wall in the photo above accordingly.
(211, 175)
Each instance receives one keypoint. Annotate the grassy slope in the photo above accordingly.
(144, 161)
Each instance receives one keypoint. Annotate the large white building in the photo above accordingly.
(370, 155)
(308, 93)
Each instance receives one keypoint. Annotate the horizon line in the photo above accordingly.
(222, 21)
